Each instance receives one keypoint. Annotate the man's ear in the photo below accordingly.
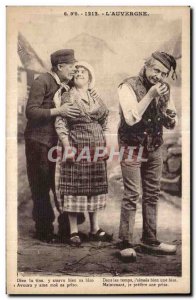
(59, 67)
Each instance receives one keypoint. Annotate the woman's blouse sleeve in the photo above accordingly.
(61, 128)
(103, 121)
(61, 125)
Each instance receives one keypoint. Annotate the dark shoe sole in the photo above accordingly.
(104, 238)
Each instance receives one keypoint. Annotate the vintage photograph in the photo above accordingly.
(102, 117)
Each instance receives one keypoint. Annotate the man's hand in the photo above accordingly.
(93, 93)
(169, 122)
(68, 110)
(158, 89)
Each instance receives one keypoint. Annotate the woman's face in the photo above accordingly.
(81, 77)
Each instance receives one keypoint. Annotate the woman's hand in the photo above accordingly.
(69, 157)
(68, 154)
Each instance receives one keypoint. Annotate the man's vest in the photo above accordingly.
(148, 132)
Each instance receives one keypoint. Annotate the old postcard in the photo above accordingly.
(98, 150)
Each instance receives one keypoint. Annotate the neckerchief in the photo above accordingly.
(63, 85)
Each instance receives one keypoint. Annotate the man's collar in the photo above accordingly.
(57, 79)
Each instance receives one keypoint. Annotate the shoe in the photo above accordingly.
(124, 245)
(159, 248)
(101, 235)
(128, 255)
(49, 238)
(83, 236)
(74, 239)
(64, 226)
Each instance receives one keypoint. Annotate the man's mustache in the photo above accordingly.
(155, 79)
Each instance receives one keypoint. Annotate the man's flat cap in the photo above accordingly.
(62, 56)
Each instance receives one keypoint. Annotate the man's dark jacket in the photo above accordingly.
(40, 125)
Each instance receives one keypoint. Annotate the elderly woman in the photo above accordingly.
(83, 185)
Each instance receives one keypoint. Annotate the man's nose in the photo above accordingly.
(159, 76)
(73, 68)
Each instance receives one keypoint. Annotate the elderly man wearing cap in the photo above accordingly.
(40, 136)
(145, 107)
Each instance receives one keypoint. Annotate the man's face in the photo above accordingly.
(66, 71)
(156, 73)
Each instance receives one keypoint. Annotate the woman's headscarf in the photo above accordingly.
(90, 69)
